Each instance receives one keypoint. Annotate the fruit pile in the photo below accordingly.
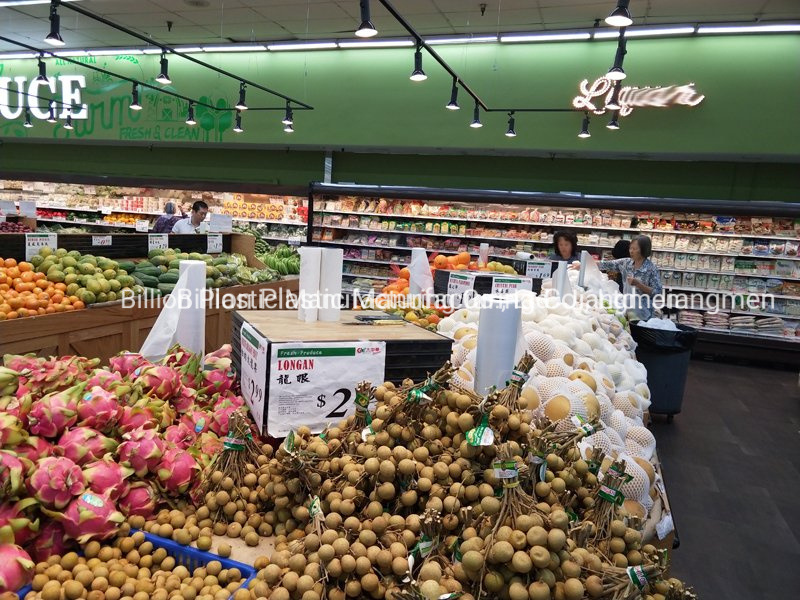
(11, 227)
(463, 262)
(283, 259)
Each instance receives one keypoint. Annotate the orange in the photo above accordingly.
(58, 307)
(13, 272)
(463, 258)
(15, 303)
(74, 299)
(10, 262)
(12, 315)
(405, 273)
(42, 284)
(56, 298)
(69, 307)
(440, 262)
(31, 303)
(23, 312)
(39, 276)
(26, 276)
(434, 319)
(461, 267)
(50, 310)
(78, 305)
(25, 267)
(62, 287)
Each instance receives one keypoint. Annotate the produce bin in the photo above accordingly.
(666, 356)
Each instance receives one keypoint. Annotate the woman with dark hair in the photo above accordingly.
(565, 247)
(639, 275)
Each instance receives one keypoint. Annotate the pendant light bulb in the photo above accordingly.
(288, 119)
(366, 29)
(614, 123)
(190, 115)
(27, 123)
(238, 127)
(620, 16)
(54, 37)
(585, 128)
(288, 128)
(512, 132)
(476, 117)
(51, 115)
(418, 74)
(241, 104)
(453, 104)
(68, 123)
(42, 71)
(163, 76)
(614, 103)
(135, 98)
(616, 72)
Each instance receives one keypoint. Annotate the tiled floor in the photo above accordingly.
(731, 463)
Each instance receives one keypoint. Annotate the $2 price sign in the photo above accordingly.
(254, 372)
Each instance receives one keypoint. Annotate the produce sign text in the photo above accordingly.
(634, 97)
(26, 95)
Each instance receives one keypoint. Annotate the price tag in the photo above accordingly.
(101, 240)
(106, 210)
(254, 372)
(296, 240)
(214, 243)
(538, 269)
(8, 208)
(509, 285)
(314, 383)
(665, 526)
(36, 241)
(157, 241)
(142, 226)
(27, 208)
(458, 283)
(220, 224)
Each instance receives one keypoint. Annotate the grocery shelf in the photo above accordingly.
(107, 209)
(363, 276)
(776, 336)
(368, 260)
(744, 293)
(360, 244)
(273, 221)
(89, 223)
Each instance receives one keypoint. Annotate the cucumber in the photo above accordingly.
(166, 288)
(147, 280)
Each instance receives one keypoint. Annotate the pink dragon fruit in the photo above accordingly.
(127, 362)
(140, 500)
(197, 420)
(16, 567)
(177, 356)
(219, 359)
(99, 409)
(13, 470)
(17, 406)
(159, 381)
(50, 541)
(134, 417)
(54, 413)
(142, 451)
(177, 471)
(190, 372)
(216, 381)
(106, 475)
(207, 446)
(83, 444)
(20, 520)
(11, 430)
(90, 516)
(34, 448)
(180, 435)
(22, 362)
(184, 399)
(103, 378)
(55, 481)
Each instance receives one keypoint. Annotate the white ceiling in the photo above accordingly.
(221, 21)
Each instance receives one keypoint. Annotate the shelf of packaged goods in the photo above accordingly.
(364, 276)
(731, 292)
(749, 256)
(407, 248)
(104, 209)
(648, 232)
(88, 223)
(748, 333)
(272, 221)
(734, 273)
(370, 260)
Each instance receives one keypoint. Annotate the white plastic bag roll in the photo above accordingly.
(483, 255)
(421, 280)
(499, 325)
(561, 279)
(310, 265)
(330, 284)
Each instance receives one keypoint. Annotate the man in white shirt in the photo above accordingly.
(195, 222)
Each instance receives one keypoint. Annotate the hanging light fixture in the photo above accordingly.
(135, 98)
(190, 115)
(620, 16)
(42, 71)
(51, 115)
(614, 123)
(288, 118)
(614, 103)
(418, 74)
(68, 123)
(27, 122)
(616, 72)
(54, 37)
(512, 132)
(163, 76)
(238, 127)
(476, 117)
(585, 128)
(366, 29)
(241, 104)
(453, 104)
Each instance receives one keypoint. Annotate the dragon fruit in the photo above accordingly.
(177, 471)
(55, 481)
(9, 380)
(103, 378)
(219, 359)
(18, 518)
(34, 448)
(54, 413)
(206, 448)
(84, 444)
(159, 381)
(90, 516)
(184, 399)
(16, 567)
(17, 406)
(180, 435)
(197, 421)
(177, 356)
(50, 541)
(142, 451)
(140, 500)
(107, 475)
(216, 381)
(99, 409)
(134, 417)
(190, 372)
(127, 362)
(222, 412)
(13, 470)
(11, 430)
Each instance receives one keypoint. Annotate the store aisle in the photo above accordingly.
(732, 469)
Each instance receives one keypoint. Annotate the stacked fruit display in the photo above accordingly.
(283, 259)
(11, 227)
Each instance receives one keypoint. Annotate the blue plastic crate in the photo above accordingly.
(189, 557)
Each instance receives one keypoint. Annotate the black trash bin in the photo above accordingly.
(666, 356)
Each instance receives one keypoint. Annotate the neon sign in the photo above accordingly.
(26, 95)
(634, 97)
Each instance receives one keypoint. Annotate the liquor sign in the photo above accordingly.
(26, 96)
(634, 97)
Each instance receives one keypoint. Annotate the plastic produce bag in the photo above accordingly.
(661, 340)
(421, 280)
(656, 323)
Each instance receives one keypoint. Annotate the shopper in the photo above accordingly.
(639, 275)
(195, 222)
(166, 222)
(565, 247)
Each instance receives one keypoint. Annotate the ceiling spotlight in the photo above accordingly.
(27, 122)
(163, 76)
(68, 124)
(135, 98)
(366, 29)
(288, 118)
(54, 37)
(616, 73)
(620, 16)
(238, 127)
(42, 71)
(512, 132)
(241, 104)
(614, 103)
(51, 115)
(418, 74)
(614, 123)
(190, 115)
(476, 117)
(585, 128)
(288, 128)
(453, 104)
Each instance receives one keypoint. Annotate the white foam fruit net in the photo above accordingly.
(622, 401)
(619, 423)
(555, 367)
(550, 386)
(644, 438)
(459, 355)
(638, 488)
(600, 441)
(606, 407)
(463, 379)
(540, 345)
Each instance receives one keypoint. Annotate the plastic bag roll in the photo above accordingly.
(585, 256)
(498, 329)
(483, 254)
(421, 280)
(330, 284)
(310, 265)
(561, 279)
